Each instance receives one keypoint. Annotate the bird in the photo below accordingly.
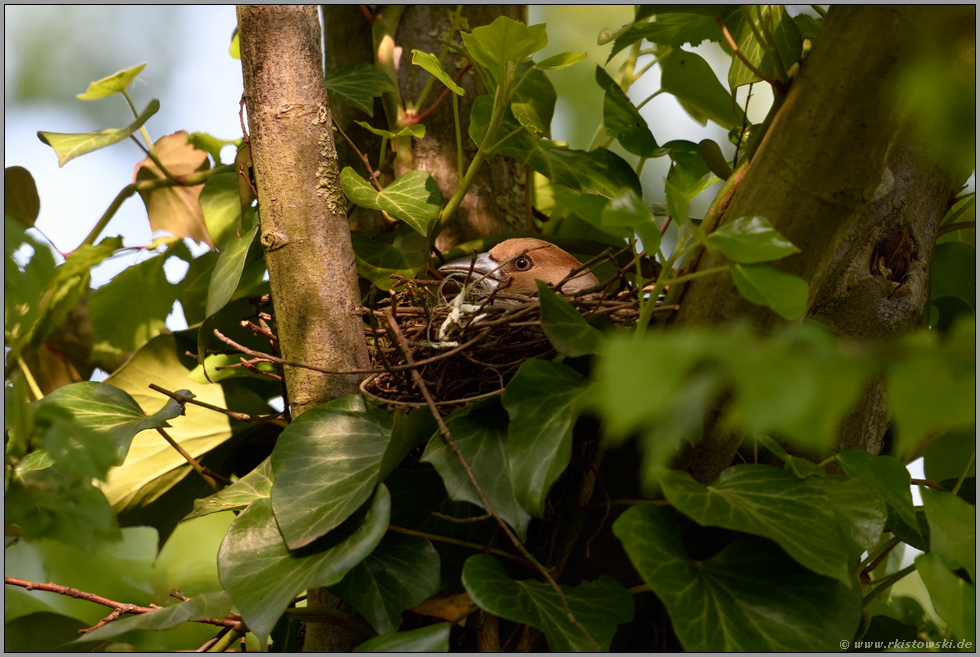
(512, 267)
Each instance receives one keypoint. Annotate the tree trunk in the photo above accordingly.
(496, 202)
(840, 174)
(304, 224)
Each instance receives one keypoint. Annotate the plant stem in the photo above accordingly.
(459, 139)
(442, 56)
(959, 482)
(886, 583)
(649, 98)
(697, 274)
(29, 378)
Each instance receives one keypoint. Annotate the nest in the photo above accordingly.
(466, 352)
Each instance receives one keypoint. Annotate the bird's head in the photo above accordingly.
(513, 267)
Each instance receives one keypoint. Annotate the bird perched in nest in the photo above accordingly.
(512, 267)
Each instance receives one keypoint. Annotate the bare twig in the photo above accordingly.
(211, 477)
(455, 541)
(184, 399)
(372, 174)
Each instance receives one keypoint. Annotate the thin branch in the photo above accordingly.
(372, 174)
(418, 118)
(444, 430)
(210, 642)
(118, 607)
(461, 521)
(183, 399)
(455, 541)
(928, 483)
(960, 225)
(211, 477)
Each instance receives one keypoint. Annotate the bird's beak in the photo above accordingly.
(483, 273)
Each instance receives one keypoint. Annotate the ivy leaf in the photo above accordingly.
(954, 598)
(946, 455)
(693, 83)
(112, 84)
(206, 605)
(952, 272)
(417, 130)
(481, 435)
(408, 431)
(750, 240)
(264, 576)
(598, 606)
(534, 101)
(103, 408)
(599, 172)
(434, 638)
(504, 41)
(623, 120)
(564, 60)
(339, 445)
(541, 401)
(431, 64)
(413, 197)
(565, 327)
(400, 573)
(688, 172)
(761, 284)
(750, 597)
(256, 485)
(627, 209)
(20, 199)
(952, 530)
(670, 30)
(68, 146)
(221, 207)
(767, 502)
(228, 269)
(786, 36)
(358, 85)
(175, 209)
(376, 262)
(859, 509)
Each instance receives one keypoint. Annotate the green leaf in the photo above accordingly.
(417, 130)
(235, 49)
(405, 256)
(112, 84)
(761, 284)
(750, 597)
(222, 208)
(132, 308)
(589, 207)
(481, 435)
(952, 272)
(358, 85)
(860, 511)
(431, 64)
(106, 409)
(20, 199)
(206, 605)
(565, 327)
(598, 606)
(952, 530)
(688, 172)
(408, 431)
(946, 456)
(599, 172)
(434, 638)
(339, 445)
(264, 576)
(212, 145)
(534, 101)
(786, 35)
(564, 60)
(750, 240)
(400, 573)
(256, 485)
(627, 209)
(693, 83)
(800, 467)
(503, 41)
(676, 204)
(25, 283)
(767, 502)
(68, 146)
(711, 153)
(413, 197)
(228, 269)
(623, 121)
(954, 599)
(670, 30)
(542, 402)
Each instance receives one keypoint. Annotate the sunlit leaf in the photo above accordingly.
(206, 605)
(598, 606)
(750, 240)
(257, 484)
(431, 64)
(417, 130)
(358, 85)
(761, 284)
(401, 572)
(750, 597)
(339, 445)
(264, 576)
(229, 267)
(542, 402)
(68, 146)
(413, 197)
(222, 208)
(434, 638)
(563, 60)
(504, 41)
(112, 84)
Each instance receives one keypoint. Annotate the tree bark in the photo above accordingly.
(304, 224)
(841, 175)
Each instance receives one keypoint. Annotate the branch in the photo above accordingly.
(184, 399)
(372, 174)
(444, 430)
(960, 225)
(211, 477)
(466, 544)
(118, 608)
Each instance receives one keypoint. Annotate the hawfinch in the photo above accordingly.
(513, 266)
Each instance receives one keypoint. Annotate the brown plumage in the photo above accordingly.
(513, 267)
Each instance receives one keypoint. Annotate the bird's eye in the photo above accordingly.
(523, 263)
